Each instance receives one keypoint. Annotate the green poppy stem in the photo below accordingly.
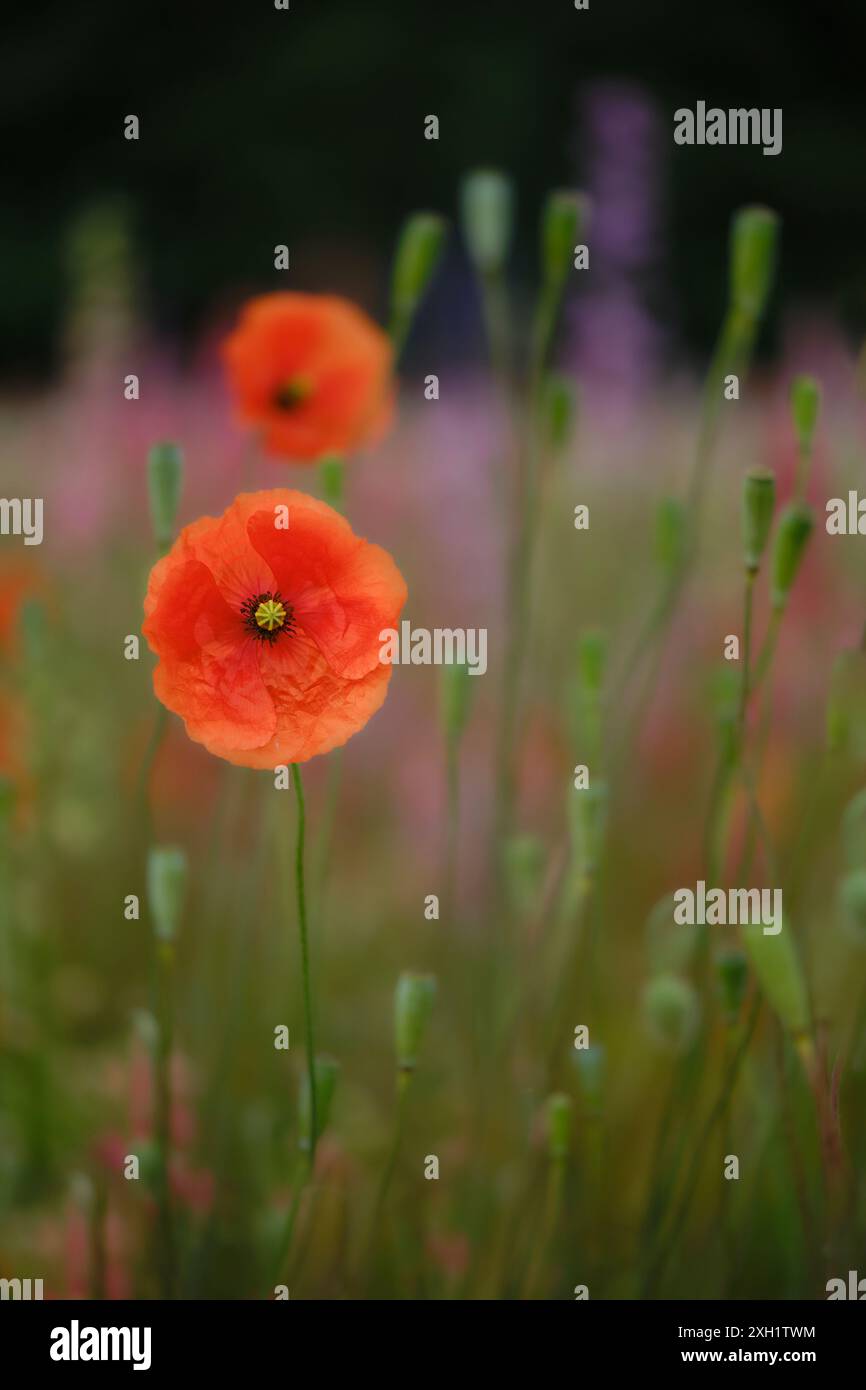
(300, 888)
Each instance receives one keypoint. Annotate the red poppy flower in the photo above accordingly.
(266, 623)
(312, 372)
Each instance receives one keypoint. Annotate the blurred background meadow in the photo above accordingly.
(559, 1165)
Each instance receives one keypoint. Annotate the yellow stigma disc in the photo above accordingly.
(270, 615)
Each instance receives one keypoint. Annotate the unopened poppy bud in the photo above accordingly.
(560, 410)
(672, 1011)
(670, 535)
(418, 251)
(754, 236)
(776, 963)
(559, 1111)
(166, 889)
(732, 969)
(805, 405)
(455, 695)
(795, 528)
(759, 500)
(325, 1071)
(165, 481)
(487, 216)
(332, 471)
(524, 866)
(413, 1001)
(563, 223)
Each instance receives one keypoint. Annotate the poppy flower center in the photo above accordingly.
(266, 616)
(293, 392)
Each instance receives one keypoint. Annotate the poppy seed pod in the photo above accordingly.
(487, 216)
(418, 251)
(754, 237)
(563, 221)
(792, 536)
(776, 963)
(805, 405)
(413, 1001)
(559, 1112)
(164, 481)
(672, 1011)
(326, 1071)
(852, 905)
(759, 500)
(166, 889)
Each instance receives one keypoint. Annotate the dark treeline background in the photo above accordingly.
(260, 126)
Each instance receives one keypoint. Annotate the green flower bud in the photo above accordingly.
(852, 905)
(455, 697)
(725, 696)
(487, 215)
(759, 500)
(776, 963)
(754, 237)
(165, 481)
(413, 1001)
(559, 1110)
(418, 251)
(805, 405)
(670, 535)
(559, 410)
(524, 867)
(166, 889)
(795, 528)
(732, 969)
(670, 946)
(563, 221)
(672, 1011)
(325, 1072)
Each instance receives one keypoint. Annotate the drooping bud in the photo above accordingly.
(559, 1112)
(805, 405)
(792, 536)
(165, 482)
(166, 889)
(759, 500)
(325, 1071)
(418, 250)
(754, 238)
(487, 217)
(413, 1001)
